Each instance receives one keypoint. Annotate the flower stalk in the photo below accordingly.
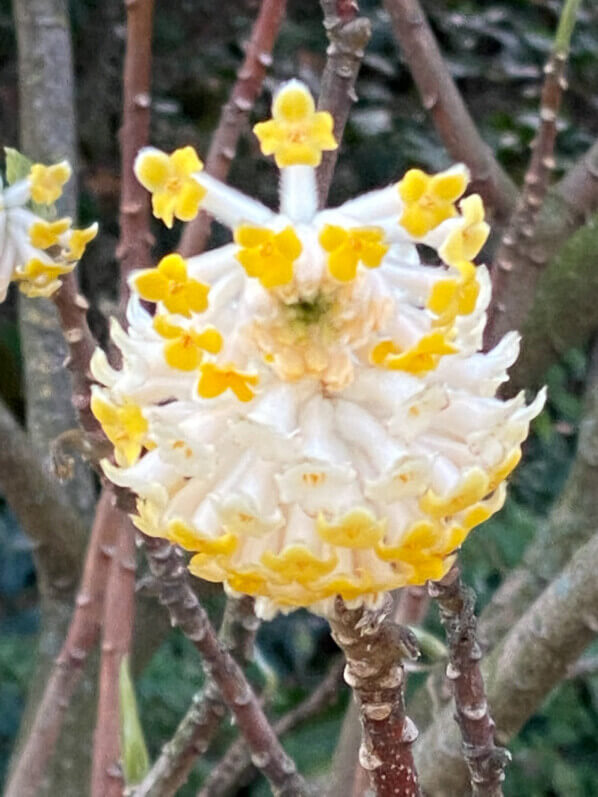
(375, 649)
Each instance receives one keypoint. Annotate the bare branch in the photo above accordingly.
(485, 761)
(236, 770)
(519, 261)
(521, 672)
(374, 648)
(82, 636)
(235, 113)
(119, 613)
(134, 249)
(348, 35)
(168, 566)
(552, 327)
(571, 523)
(58, 534)
(199, 726)
(47, 127)
(441, 97)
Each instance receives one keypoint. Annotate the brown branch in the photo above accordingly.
(570, 524)
(586, 666)
(374, 649)
(518, 262)
(485, 761)
(58, 534)
(348, 36)
(199, 726)
(82, 636)
(580, 185)
(412, 606)
(72, 310)
(48, 134)
(441, 97)
(551, 328)
(235, 113)
(119, 612)
(521, 672)
(235, 770)
(168, 565)
(134, 248)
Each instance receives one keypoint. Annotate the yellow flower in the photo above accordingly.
(124, 426)
(168, 283)
(267, 255)
(298, 563)
(215, 380)
(422, 357)
(78, 241)
(175, 193)
(357, 529)
(184, 350)
(46, 181)
(429, 199)
(37, 278)
(297, 134)
(348, 248)
(466, 241)
(44, 234)
(455, 296)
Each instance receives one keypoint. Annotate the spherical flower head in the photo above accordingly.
(326, 424)
(297, 134)
(175, 191)
(35, 252)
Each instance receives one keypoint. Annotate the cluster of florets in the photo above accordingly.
(36, 249)
(308, 410)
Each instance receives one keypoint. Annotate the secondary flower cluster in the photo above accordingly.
(34, 251)
(308, 410)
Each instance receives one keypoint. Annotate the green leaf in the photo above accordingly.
(18, 165)
(134, 755)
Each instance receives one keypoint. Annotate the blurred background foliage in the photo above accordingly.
(497, 51)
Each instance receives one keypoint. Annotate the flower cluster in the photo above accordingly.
(34, 251)
(308, 410)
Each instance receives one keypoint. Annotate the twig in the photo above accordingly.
(134, 248)
(586, 666)
(485, 761)
(168, 565)
(348, 36)
(235, 113)
(82, 636)
(570, 524)
(58, 534)
(235, 770)
(411, 605)
(522, 670)
(119, 612)
(203, 719)
(72, 310)
(374, 649)
(441, 97)
(518, 262)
